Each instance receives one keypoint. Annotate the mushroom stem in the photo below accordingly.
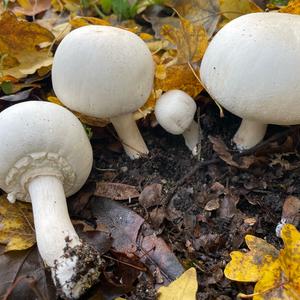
(130, 136)
(249, 134)
(75, 266)
(191, 137)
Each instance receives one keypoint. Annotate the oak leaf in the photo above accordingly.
(276, 272)
(16, 225)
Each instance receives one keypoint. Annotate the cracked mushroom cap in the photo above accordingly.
(175, 111)
(252, 68)
(42, 138)
(102, 71)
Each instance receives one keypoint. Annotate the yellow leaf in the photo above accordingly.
(84, 21)
(183, 288)
(16, 225)
(232, 9)
(293, 7)
(190, 39)
(179, 77)
(277, 276)
(23, 41)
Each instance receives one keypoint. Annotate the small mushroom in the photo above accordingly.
(175, 111)
(105, 72)
(252, 68)
(45, 155)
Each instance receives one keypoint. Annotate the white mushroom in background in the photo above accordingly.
(175, 111)
(45, 155)
(105, 72)
(252, 68)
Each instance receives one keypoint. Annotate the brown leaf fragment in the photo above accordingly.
(32, 7)
(116, 191)
(151, 195)
(228, 206)
(129, 237)
(212, 205)
(221, 149)
(157, 216)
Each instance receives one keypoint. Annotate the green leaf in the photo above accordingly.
(7, 87)
(106, 6)
(123, 9)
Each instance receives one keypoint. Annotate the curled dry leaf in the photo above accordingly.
(221, 149)
(21, 46)
(116, 191)
(16, 225)
(32, 7)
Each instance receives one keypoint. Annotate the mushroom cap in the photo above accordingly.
(38, 137)
(252, 68)
(175, 111)
(102, 71)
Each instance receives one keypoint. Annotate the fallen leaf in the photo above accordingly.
(77, 21)
(293, 7)
(23, 95)
(223, 152)
(206, 13)
(23, 276)
(16, 225)
(116, 191)
(20, 46)
(190, 40)
(212, 205)
(32, 7)
(184, 287)
(151, 195)
(276, 272)
(232, 9)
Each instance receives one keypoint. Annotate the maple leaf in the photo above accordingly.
(16, 225)
(184, 287)
(21, 51)
(276, 272)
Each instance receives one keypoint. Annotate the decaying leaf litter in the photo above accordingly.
(171, 207)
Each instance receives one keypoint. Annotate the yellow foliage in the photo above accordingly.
(21, 46)
(232, 9)
(183, 288)
(293, 7)
(190, 39)
(16, 225)
(277, 273)
(84, 21)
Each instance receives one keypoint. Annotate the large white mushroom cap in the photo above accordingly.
(102, 71)
(41, 138)
(252, 68)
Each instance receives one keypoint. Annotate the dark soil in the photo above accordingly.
(250, 200)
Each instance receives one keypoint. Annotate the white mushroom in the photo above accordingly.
(252, 68)
(175, 111)
(45, 155)
(105, 72)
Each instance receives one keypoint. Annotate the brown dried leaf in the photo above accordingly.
(291, 210)
(116, 191)
(32, 7)
(151, 195)
(223, 152)
(77, 21)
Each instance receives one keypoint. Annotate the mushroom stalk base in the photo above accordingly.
(130, 136)
(249, 134)
(75, 266)
(191, 137)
